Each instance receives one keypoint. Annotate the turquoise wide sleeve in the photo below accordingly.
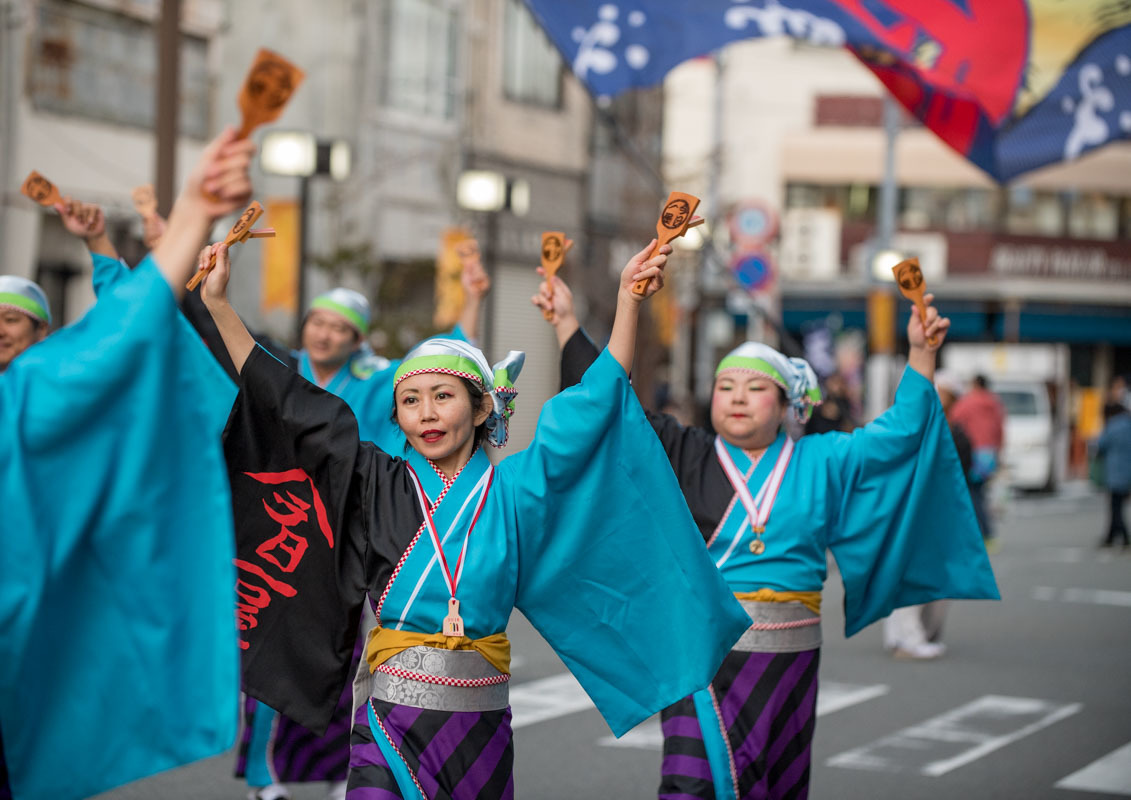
(116, 588)
(904, 530)
(107, 272)
(612, 569)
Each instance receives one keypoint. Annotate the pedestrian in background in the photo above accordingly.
(980, 414)
(835, 411)
(1114, 447)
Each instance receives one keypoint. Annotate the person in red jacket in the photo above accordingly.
(980, 414)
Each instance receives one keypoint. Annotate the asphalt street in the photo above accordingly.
(1031, 700)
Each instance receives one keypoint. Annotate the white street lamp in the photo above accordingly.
(482, 190)
(302, 155)
(882, 262)
(289, 153)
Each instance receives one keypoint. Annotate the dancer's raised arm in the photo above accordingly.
(214, 293)
(622, 342)
(222, 172)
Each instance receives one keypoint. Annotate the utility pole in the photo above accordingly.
(882, 301)
(167, 102)
(704, 361)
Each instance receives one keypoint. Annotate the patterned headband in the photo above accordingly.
(793, 375)
(452, 357)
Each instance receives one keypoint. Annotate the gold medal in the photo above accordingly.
(757, 547)
(453, 623)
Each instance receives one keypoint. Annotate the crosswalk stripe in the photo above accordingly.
(983, 725)
(1101, 597)
(831, 697)
(1110, 774)
(547, 698)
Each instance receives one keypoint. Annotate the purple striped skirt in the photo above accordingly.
(763, 711)
(451, 755)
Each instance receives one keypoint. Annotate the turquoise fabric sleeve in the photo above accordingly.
(107, 272)
(903, 531)
(117, 646)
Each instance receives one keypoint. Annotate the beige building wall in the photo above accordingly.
(548, 148)
(770, 139)
(93, 160)
(769, 136)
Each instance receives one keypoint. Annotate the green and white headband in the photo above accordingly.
(24, 296)
(452, 357)
(348, 304)
(793, 375)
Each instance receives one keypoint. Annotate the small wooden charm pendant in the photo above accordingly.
(453, 623)
(757, 547)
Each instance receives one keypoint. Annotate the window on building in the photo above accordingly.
(934, 208)
(1019, 210)
(421, 44)
(1033, 213)
(94, 63)
(1093, 216)
(532, 68)
(856, 202)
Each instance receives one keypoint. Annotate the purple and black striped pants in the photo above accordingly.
(766, 706)
(455, 755)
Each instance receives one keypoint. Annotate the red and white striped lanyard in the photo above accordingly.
(757, 514)
(453, 622)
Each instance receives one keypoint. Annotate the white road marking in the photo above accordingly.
(1101, 597)
(645, 736)
(1110, 774)
(831, 697)
(547, 698)
(1062, 555)
(951, 740)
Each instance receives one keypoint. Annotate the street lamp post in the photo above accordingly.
(490, 193)
(882, 302)
(302, 155)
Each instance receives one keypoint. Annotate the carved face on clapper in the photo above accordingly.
(38, 188)
(675, 214)
(910, 277)
(552, 249)
(270, 85)
(244, 221)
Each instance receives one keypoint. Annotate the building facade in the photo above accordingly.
(421, 90)
(1044, 259)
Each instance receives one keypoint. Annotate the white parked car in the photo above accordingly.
(1027, 453)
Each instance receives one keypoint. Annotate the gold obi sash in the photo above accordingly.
(384, 643)
(811, 600)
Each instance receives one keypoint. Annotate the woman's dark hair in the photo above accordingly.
(475, 394)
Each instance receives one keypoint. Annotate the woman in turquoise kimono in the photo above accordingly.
(889, 500)
(584, 531)
(118, 526)
(275, 750)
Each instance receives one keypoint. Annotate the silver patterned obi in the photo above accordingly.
(779, 628)
(441, 680)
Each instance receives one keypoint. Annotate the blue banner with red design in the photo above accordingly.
(1010, 84)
